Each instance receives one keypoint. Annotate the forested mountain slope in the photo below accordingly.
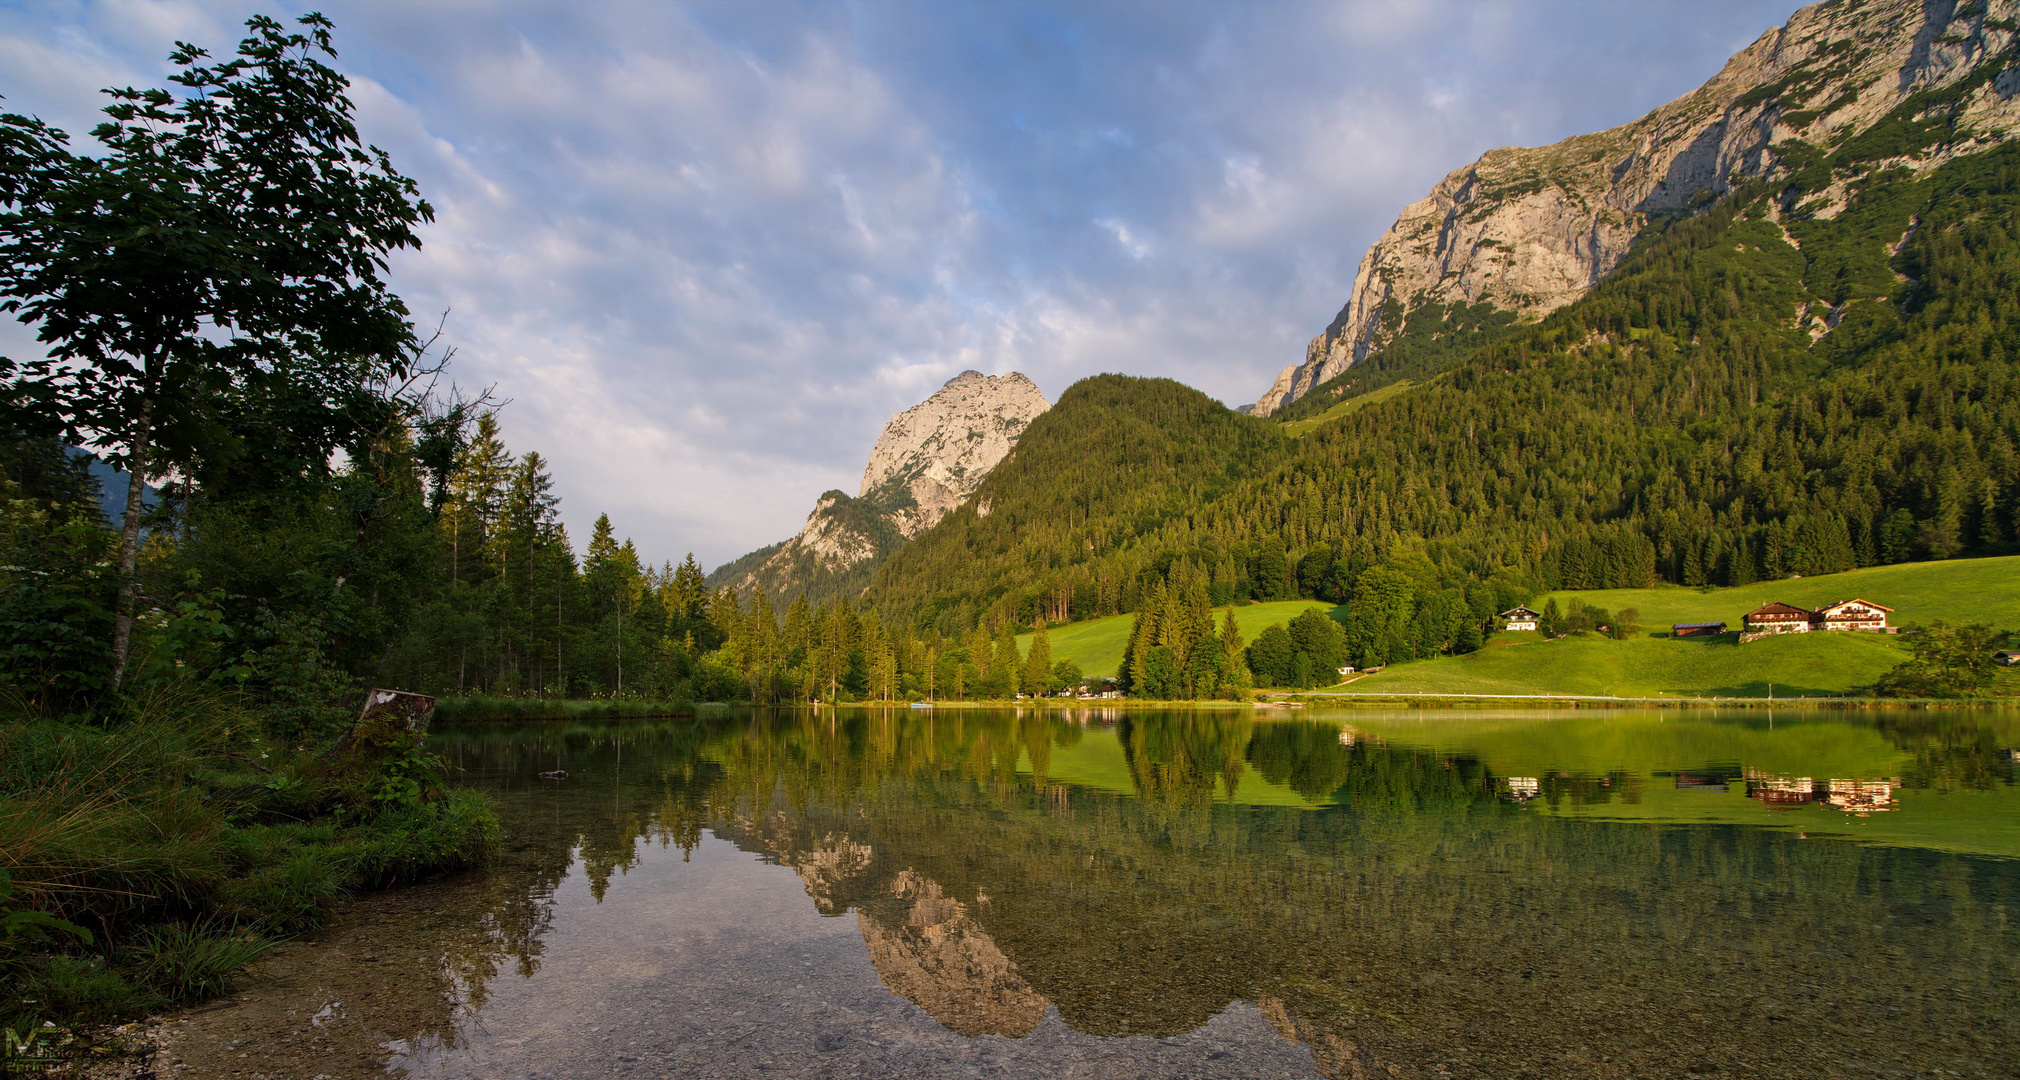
(1755, 392)
(1523, 231)
(1112, 472)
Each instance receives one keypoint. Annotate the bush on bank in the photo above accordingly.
(150, 855)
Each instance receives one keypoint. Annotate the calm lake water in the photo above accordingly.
(1091, 893)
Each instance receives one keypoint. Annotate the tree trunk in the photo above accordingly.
(129, 545)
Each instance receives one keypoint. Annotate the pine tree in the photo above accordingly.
(1834, 545)
(1897, 536)
(1745, 567)
(1038, 665)
(1236, 679)
(689, 597)
(1145, 631)
(1006, 665)
(797, 637)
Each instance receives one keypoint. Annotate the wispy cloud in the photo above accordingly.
(707, 249)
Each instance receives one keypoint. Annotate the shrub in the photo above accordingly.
(1945, 661)
(76, 990)
(191, 963)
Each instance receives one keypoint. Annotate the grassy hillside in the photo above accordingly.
(1097, 644)
(1953, 590)
(1956, 591)
(1806, 664)
(1352, 404)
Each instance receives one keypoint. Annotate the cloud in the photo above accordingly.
(707, 250)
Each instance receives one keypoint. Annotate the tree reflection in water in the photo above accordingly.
(1420, 917)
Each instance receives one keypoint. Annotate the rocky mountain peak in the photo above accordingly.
(927, 461)
(931, 456)
(1528, 230)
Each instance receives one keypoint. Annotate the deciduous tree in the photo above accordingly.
(224, 252)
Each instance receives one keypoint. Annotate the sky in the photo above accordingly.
(706, 250)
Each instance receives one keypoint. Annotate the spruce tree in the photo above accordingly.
(1007, 667)
(1236, 678)
(1038, 665)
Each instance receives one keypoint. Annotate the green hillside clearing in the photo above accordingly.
(1815, 665)
(1097, 644)
(1953, 590)
(1300, 427)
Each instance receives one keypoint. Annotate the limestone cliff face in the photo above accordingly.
(940, 958)
(928, 459)
(1531, 229)
(934, 454)
(927, 946)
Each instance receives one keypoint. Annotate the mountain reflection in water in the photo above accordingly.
(1631, 894)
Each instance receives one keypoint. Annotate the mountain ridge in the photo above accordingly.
(1528, 230)
(927, 460)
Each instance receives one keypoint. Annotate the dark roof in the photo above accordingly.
(1519, 610)
(1696, 625)
(1779, 608)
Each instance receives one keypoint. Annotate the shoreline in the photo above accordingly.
(1300, 699)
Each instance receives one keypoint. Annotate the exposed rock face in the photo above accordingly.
(843, 541)
(927, 946)
(947, 964)
(934, 454)
(928, 459)
(829, 869)
(1530, 230)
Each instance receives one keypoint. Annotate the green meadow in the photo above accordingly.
(1798, 665)
(1954, 590)
(1301, 427)
(1653, 664)
(1097, 644)
(1802, 665)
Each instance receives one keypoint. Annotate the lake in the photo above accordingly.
(1198, 893)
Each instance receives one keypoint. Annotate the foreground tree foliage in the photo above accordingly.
(177, 785)
(208, 287)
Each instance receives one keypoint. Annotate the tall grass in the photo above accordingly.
(190, 963)
(183, 841)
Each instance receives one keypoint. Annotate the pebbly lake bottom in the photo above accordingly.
(1190, 894)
